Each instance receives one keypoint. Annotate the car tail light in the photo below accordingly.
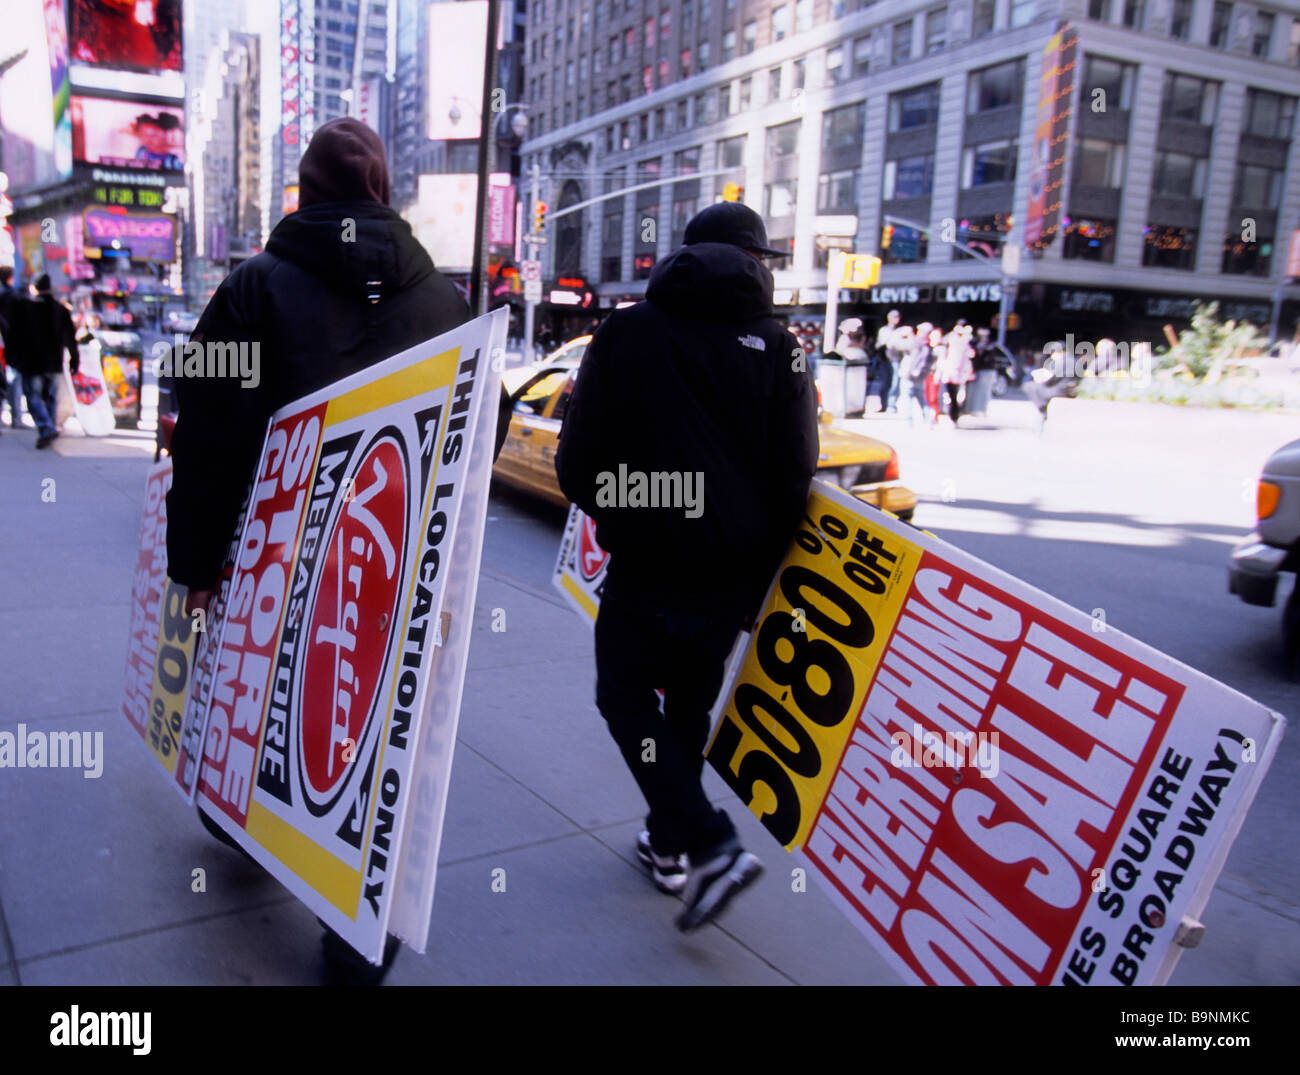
(891, 471)
(1266, 498)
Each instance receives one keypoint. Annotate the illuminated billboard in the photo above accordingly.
(128, 134)
(443, 218)
(457, 39)
(145, 236)
(128, 35)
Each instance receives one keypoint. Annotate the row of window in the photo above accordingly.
(1263, 25)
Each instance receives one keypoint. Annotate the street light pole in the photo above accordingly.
(534, 181)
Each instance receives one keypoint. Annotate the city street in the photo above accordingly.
(1125, 511)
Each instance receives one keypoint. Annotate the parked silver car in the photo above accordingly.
(1274, 546)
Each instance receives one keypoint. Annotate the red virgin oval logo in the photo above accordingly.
(348, 627)
(591, 557)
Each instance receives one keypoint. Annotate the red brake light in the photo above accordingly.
(891, 471)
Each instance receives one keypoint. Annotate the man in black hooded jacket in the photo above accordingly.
(701, 393)
(343, 284)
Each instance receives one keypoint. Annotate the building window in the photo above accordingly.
(861, 56)
(728, 46)
(1088, 240)
(1133, 10)
(1221, 25)
(665, 25)
(650, 32)
(724, 100)
(905, 244)
(568, 73)
(1022, 12)
(843, 126)
(686, 161)
(1165, 247)
(780, 22)
(779, 199)
(909, 177)
(682, 123)
(902, 51)
(774, 84)
(731, 152)
(644, 120)
(1099, 10)
(913, 108)
(1188, 99)
(1099, 163)
(1293, 47)
(1262, 42)
(703, 51)
(995, 87)
(984, 234)
(803, 16)
(748, 37)
(1257, 187)
(835, 70)
(991, 162)
(936, 31)
(1179, 175)
(686, 63)
(700, 112)
(783, 141)
(688, 14)
(1112, 78)
(1248, 259)
(663, 73)
(800, 70)
(683, 210)
(982, 15)
(1180, 20)
(837, 192)
(746, 93)
(1269, 115)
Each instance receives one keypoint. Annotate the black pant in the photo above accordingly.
(954, 407)
(641, 648)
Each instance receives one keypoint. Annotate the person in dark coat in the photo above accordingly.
(699, 386)
(41, 330)
(11, 382)
(320, 308)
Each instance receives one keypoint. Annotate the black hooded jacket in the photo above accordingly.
(698, 379)
(307, 302)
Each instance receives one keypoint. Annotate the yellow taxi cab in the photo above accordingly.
(864, 466)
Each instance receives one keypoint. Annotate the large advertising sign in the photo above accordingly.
(128, 134)
(501, 209)
(992, 789)
(443, 216)
(324, 703)
(56, 41)
(457, 40)
(160, 648)
(129, 35)
(1051, 139)
(145, 236)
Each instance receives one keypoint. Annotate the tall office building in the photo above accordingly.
(328, 49)
(911, 130)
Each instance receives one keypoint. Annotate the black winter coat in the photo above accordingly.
(37, 332)
(305, 301)
(700, 378)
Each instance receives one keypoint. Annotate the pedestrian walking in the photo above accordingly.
(11, 383)
(884, 370)
(742, 420)
(319, 308)
(916, 370)
(955, 368)
(42, 331)
(852, 348)
(985, 364)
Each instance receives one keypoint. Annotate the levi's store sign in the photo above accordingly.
(904, 294)
(990, 789)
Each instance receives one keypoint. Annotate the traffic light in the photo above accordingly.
(886, 236)
(539, 217)
(732, 192)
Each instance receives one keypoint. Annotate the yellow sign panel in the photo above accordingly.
(859, 271)
(810, 664)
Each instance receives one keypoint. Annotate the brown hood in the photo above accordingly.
(344, 162)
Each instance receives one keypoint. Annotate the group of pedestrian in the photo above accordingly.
(37, 331)
(923, 369)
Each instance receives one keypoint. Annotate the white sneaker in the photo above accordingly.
(667, 871)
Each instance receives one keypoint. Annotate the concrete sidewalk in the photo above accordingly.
(95, 874)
